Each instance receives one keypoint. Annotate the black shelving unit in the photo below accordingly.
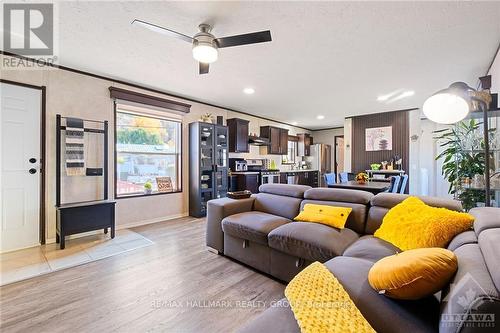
(208, 165)
(78, 217)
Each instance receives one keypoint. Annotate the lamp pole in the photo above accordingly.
(486, 155)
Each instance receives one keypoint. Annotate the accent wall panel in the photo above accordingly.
(361, 159)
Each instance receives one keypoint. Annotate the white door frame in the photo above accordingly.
(43, 163)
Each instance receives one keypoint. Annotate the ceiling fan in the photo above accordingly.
(205, 45)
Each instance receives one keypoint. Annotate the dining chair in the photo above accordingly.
(346, 176)
(404, 182)
(330, 178)
(393, 188)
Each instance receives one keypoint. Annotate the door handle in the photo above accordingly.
(32, 170)
(32, 160)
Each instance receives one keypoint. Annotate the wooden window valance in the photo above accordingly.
(132, 96)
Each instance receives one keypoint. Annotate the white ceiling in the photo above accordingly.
(329, 58)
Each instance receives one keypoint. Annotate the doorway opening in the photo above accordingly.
(339, 155)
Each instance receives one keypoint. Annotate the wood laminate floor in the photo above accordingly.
(174, 285)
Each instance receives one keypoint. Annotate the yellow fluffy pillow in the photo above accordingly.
(330, 215)
(413, 274)
(412, 224)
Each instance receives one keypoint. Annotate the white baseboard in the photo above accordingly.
(123, 226)
(151, 221)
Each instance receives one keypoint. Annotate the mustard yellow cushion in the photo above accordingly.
(330, 215)
(412, 224)
(413, 274)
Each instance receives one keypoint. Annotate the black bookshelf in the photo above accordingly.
(208, 165)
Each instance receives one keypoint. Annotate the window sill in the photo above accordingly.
(138, 195)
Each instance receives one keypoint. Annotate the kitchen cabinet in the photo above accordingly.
(238, 135)
(310, 178)
(278, 140)
(248, 181)
(304, 144)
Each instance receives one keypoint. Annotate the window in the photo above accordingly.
(148, 146)
(289, 158)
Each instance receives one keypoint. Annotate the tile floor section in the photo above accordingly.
(24, 264)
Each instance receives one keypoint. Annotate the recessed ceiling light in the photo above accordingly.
(320, 117)
(294, 123)
(249, 91)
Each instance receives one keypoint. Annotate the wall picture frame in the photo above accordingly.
(378, 138)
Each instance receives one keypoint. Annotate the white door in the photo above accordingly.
(19, 166)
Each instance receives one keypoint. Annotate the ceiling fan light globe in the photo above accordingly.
(205, 53)
(445, 108)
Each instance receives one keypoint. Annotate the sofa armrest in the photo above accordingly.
(217, 210)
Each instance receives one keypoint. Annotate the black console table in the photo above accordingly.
(86, 216)
(77, 217)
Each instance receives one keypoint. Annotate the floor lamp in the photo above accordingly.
(453, 104)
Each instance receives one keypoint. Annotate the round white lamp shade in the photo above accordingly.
(205, 53)
(446, 108)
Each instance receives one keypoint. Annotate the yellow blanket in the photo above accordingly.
(320, 303)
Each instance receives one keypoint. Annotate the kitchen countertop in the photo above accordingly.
(245, 173)
(299, 170)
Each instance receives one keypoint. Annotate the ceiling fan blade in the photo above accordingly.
(204, 68)
(251, 38)
(161, 30)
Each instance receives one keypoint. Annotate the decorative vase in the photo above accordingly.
(361, 182)
(148, 191)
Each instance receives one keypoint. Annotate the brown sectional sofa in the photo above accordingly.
(259, 232)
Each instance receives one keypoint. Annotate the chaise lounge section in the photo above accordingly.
(259, 232)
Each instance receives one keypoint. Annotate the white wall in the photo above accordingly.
(78, 95)
(348, 144)
(495, 74)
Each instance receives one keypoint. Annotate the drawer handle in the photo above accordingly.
(245, 243)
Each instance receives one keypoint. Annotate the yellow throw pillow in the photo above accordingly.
(412, 224)
(330, 215)
(413, 274)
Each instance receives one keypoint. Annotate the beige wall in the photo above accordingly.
(72, 94)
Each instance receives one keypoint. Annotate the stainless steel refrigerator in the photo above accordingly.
(321, 159)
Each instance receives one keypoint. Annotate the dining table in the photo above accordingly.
(370, 186)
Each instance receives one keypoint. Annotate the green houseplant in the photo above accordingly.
(148, 187)
(463, 158)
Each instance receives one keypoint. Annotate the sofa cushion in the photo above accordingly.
(277, 319)
(311, 241)
(357, 217)
(489, 243)
(280, 205)
(370, 248)
(384, 314)
(382, 202)
(471, 291)
(296, 191)
(467, 237)
(253, 226)
(412, 224)
(485, 218)
(413, 274)
(338, 194)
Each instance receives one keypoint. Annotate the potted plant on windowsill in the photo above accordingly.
(148, 187)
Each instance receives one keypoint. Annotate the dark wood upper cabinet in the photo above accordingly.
(304, 146)
(238, 135)
(278, 139)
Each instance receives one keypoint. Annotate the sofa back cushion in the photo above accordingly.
(357, 200)
(277, 205)
(471, 293)
(280, 199)
(382, 202)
